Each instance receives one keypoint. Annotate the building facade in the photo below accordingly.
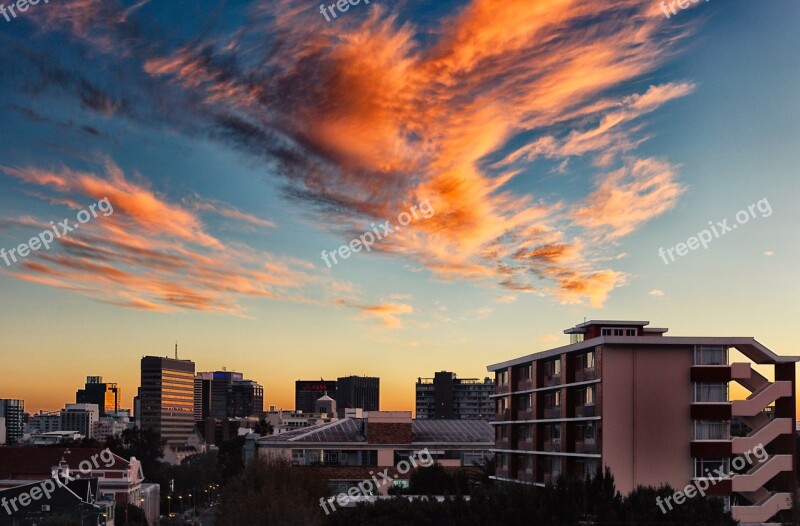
(80, 418)
(166, 398)
(445, 396)
(14, 413)
(107, 396)
(307, 392)
(358, 392)
(226, 394)
(654, 410)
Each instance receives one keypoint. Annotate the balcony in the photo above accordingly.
(550, 478)
(583, 375)
(552, 412)
(552, 445)
(586, 446)
(587, 410)
(503, 415)
(551, 380)
(524, 414)
(524, 384)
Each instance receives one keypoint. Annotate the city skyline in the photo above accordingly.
(641, 170)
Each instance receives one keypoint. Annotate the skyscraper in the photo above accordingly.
(14, 413)
(226, 394)
(107, 396)
(307, 392)
(357, 392)
(167, 398)
(245, 398)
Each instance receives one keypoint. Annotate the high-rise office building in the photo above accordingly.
(226, 394)
(202, 396)
(363, 392)
(81, 418)
(654, 410)
(245, 398)
(166, 398)
(14, 413)
(307, 392)
(445, 396)
(107, 396)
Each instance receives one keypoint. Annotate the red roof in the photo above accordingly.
(32, 462)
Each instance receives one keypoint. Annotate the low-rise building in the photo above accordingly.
(118, 479)
(351, 450)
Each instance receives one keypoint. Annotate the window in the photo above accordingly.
(710, 355)
(552, 399)
(526, 372)
(585, 361)
(609, 331)
(552, 433)
(524, 402)
(711, 467)
(552, 368)
(528, 462)
(711, 430)
(525, 432)
(502, 378)
(710, 392)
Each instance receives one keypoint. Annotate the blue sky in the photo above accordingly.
(239, 140)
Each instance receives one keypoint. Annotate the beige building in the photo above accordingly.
(655, 410)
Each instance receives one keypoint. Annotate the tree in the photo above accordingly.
(272, 492)
(144, 444)
(486, 469)
(264, 428)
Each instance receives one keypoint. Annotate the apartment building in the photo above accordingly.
(445, 396)
(655, 410)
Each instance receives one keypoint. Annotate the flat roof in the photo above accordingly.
(748, 346)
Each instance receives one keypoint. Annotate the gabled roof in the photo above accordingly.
(37, 462)
(351, 430)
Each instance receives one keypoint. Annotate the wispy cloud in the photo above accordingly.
(455, 117)
(150, 254)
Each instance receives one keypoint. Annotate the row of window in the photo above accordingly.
(550, 368)
(552, 432)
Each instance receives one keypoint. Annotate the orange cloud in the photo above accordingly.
(151, 253)
(367, 118)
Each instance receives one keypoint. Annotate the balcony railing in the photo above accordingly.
(586, 446)
(524, 414)
(582, 410)
(552, 412)
(503, 415)
(582, 375)
(552, 379)
(552, 445)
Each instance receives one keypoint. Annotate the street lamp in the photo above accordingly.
(169, 505)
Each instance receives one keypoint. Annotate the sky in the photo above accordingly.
(551, 149)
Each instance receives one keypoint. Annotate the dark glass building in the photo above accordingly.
(307, 392)
(362, 392)
(107, 396)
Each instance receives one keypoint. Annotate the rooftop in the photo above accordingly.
(352, 430)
